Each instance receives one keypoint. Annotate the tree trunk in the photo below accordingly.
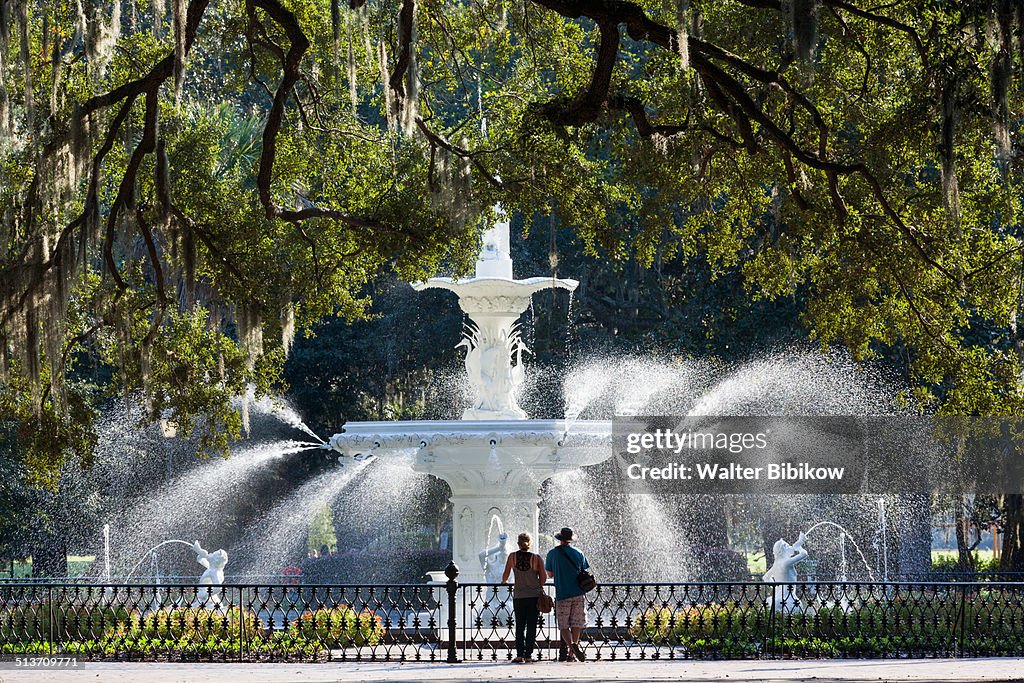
(965, 558)
(1012, 554)
(708, 536)
(50, 558)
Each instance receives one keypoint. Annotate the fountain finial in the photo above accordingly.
(495, 259)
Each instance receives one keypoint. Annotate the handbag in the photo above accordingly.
(545, 604)
(584, 579)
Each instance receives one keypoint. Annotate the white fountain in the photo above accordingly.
(494, 459)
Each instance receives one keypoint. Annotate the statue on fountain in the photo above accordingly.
(494, 380)
(213, 575)
(496, 243)
(783, 571)
(492, 561)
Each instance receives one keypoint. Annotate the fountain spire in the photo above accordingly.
(494, 300)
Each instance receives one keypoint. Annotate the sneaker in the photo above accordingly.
(570, 657)
(578, 651)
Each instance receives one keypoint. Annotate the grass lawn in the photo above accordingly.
(77, 566)
(950, 555)
(756, 561)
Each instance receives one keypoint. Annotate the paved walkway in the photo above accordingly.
(819, 671)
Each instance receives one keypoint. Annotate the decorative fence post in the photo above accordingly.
(239, 605)
(49, 616)
(961, 619)
(451, 571)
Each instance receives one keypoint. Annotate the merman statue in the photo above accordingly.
(213, 575)
(493, 559)
(783, 571)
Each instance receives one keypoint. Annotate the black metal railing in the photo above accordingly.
(931, 576)
(474, 622)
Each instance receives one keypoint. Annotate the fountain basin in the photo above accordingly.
(494, 467)
(533, 449)
(482, 296)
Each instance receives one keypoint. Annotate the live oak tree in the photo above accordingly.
(182, 187)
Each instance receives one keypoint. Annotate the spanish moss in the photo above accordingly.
(1001, 70)
(26, 64)
(249, 327)
(683, 33)
(288, 327)
(353, 84)
(159, 12)
(336, 31)
(387, 101)
(410, 103)
(6, 131)
(178, 19)
(947, 154)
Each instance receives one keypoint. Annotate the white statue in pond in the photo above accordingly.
(783, 571)
(213, 575)
(493, 559)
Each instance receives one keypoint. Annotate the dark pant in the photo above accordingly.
(526, 625)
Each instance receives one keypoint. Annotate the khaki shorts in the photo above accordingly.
(571, 612)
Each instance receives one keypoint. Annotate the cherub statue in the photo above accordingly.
(783, 571)
(213, 575)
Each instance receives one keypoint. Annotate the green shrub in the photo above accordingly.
(339, 626)
(278, 647)
(950, 564)
(189, 625)
(31, 622)
(705, 623)
(907, 622)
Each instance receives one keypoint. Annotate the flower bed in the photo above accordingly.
(43, 620)
(338, 627)
(922, 625)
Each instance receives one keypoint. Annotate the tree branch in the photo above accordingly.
(406, 19)
(587, 107)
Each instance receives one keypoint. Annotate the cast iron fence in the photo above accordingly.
(474, 622)
(931, 576)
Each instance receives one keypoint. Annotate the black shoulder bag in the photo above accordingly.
(584, 579)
